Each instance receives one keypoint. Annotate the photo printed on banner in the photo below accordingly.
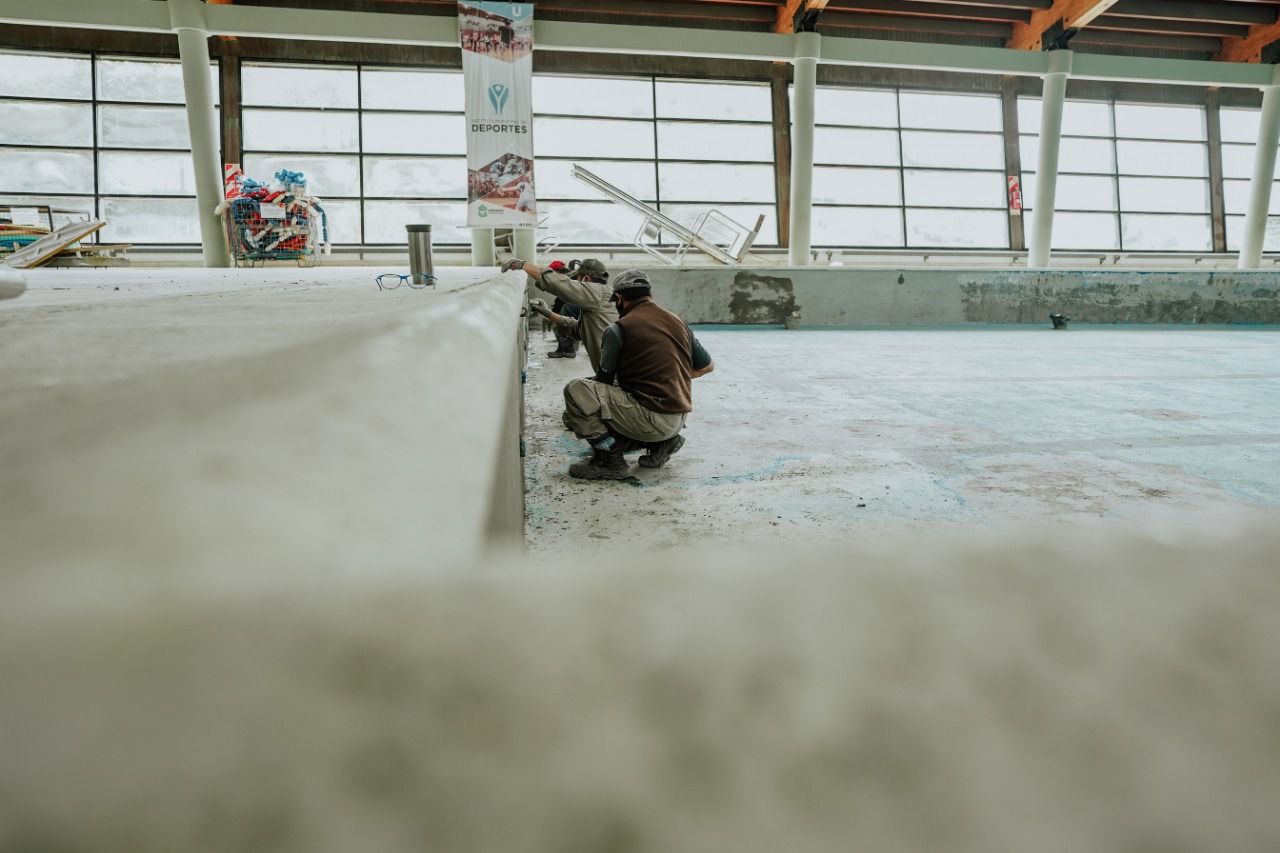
(497, 66)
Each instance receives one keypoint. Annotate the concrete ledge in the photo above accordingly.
(925, 297)
(251, 418)
(11, 283)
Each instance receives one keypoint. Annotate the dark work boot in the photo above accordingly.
(563, 354)
(603, 465)
(659, 453)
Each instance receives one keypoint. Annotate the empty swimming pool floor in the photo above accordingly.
(826, 435)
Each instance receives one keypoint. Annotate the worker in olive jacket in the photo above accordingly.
(587, 288)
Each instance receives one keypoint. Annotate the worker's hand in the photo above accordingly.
(539, 307)
(513, 264)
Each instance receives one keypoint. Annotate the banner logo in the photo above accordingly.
(498, 95)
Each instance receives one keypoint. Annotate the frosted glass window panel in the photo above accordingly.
(555, 178)
(717, 142)
(851, 227)
(715, 182)
(1240, 125)
(1235, 234)
(837, 146)
(69, 208)
(1075, 192)
(1154, 232)
(143, 127)
(66, 77)
(1180, 159)
(955, 150)
(410, 133)
(150, 220)
(1074, 155)
(1237, 161)
(1085, 231)
(736, 101)
(1235, 195)
(415, 177)
(327, 177)
(583, 137)
(856, 107)
(955, 189)
(299, 86)
(984, 229)
(743, 214)
(950, 112)
(1164, 195)
(30, 170)
(384, 221)
(300, 130)
(841, 185)
(398, 89)
(1079, 118)
(594, 96)
(145, 81)
(588, 223)
(343, 218)
(145, 173)
(1144, 121)
(28, 123)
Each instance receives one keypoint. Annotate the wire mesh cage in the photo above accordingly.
(281, 222)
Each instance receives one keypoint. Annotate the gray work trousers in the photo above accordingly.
(593, 408)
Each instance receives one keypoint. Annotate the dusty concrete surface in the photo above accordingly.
(847, 296)
(158, 420)
(1026, 693)
(828, 436)
(11, 283)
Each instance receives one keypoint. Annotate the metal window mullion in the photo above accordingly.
(360, 143)
(902, 165)
(657, 155)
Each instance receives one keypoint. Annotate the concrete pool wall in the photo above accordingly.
(843, 296)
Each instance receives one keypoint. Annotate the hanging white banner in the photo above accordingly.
(497, 69)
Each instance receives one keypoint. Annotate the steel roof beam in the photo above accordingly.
(1179, 10)
(953, 26)
(1172, 28)
(1007, 14)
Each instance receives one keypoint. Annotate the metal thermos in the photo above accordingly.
(420, 266)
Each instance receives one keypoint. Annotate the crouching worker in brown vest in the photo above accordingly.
(643, 391)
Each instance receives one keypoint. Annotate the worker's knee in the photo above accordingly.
(580, 397)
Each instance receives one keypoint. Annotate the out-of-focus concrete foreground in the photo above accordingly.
(249, 601)
(1114, 692)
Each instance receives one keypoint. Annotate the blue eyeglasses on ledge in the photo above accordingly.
(391, 280)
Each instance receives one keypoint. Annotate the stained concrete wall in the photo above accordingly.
(839, 296)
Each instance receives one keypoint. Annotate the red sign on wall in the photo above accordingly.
(1015, 195)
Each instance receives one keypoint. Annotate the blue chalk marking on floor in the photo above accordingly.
(961, 504)
(767, 472)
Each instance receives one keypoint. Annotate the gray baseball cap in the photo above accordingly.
(630, 280)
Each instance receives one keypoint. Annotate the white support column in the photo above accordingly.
(1264, 167)
(526, 244)
(808, 50)
(482, 254)
(187, 19)
(1040, 240)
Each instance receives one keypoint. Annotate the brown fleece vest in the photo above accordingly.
(656, 362)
